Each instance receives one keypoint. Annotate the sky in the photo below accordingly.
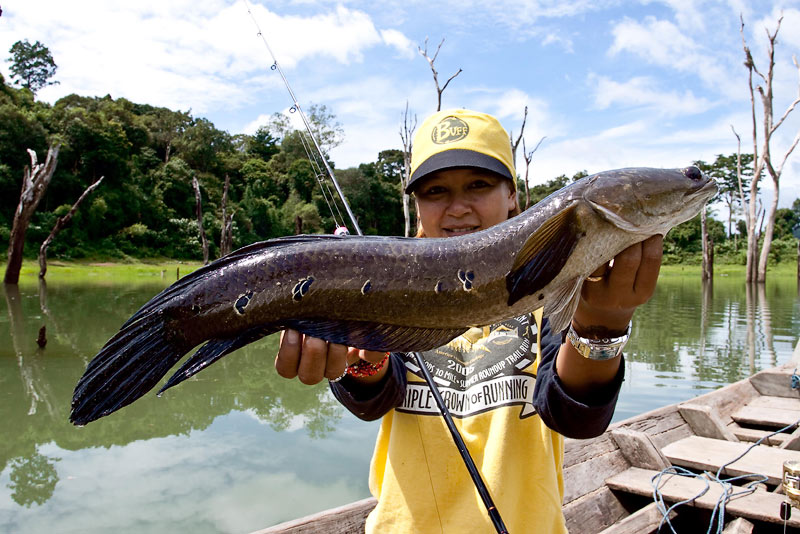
(607, 83)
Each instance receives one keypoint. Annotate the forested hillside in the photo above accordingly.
(148, 155)
(145, 206)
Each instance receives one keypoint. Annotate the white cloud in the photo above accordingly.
(181, 54)
(641, 91)
(399, 41)
(556, 39)
(663, 43)
(688, 14)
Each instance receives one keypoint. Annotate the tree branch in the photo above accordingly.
(431, 60)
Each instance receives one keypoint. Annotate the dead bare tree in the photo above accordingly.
(406, 135)
(199, 210)
(515, 144)
(431, 60)
(708, 248)
(528, 158)
(226, 237)
(60, 224)
(763, 161)
(35, 180)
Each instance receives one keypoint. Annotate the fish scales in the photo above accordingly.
(390, 293)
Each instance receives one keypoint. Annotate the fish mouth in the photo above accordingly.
(702, 191)
(455, 232)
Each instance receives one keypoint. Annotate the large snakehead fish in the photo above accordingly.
(389, 293)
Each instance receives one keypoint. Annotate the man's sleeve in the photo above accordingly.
(373, 401)
(559, 411)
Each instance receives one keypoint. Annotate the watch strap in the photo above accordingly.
(598, 349)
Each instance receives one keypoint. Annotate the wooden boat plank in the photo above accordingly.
(763, 416)
(775, 382)
(590, 475)
(752, 435)
(666, 420)
(759, 506)
(347, 519)
(710, 454)
(643, 521)
(726, 400)
(705, 421)
(582, 450)
(639, 449)
(782, 403)
(739, 526)
(593, 512)
(792, 441)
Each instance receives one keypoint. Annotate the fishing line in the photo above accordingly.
(296, 107)
(319, 175)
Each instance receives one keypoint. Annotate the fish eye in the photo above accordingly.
(693, 173)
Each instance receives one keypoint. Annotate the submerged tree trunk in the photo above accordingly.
(757, 263)
(34, 184)
(199, 209)
(406, 135)
(226, 239)
(708, 245)
(60, 224)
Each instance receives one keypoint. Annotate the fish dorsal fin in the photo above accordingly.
(544, 254)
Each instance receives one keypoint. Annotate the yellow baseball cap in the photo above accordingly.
(460, 138)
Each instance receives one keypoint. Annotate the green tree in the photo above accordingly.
(541, 191)
(262, 144)
(684, 241)
(32, 65)
(723, 171)
(786, 220)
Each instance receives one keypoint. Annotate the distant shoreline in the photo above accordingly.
(168, 269)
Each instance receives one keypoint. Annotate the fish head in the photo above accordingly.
(649, 201)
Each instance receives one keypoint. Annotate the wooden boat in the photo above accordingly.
(608, 478)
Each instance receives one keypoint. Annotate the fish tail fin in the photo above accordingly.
(128, 366)
(213, 351)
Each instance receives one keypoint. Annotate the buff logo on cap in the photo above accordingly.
(449, 130)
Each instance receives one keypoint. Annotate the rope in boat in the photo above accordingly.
(727, 494)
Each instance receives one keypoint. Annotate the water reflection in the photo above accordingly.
(45, 462)
(692, 337)
(237, 448)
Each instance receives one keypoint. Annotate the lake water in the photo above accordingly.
(237, 448)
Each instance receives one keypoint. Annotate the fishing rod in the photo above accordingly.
(477, 480)
(296, 107)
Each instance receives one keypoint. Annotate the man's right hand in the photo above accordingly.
(311, 359)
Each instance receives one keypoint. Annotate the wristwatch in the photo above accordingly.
(598, 349)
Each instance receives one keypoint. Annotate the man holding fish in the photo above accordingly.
(514, 388)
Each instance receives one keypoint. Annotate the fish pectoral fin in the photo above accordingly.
(544, 254)
(563, 303)
(376, 336)
(212, 351)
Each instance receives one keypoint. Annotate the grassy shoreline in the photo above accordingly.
(129, 271)
(781, 269)
(168, 269)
